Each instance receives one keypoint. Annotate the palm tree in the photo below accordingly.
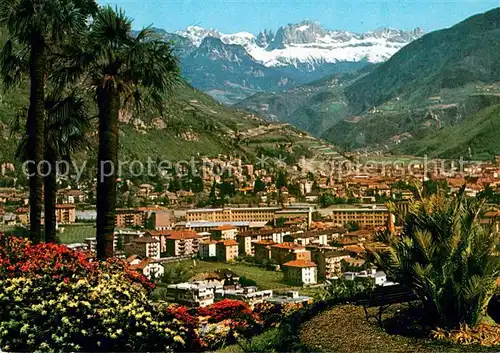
(65, 129)
(37, 26)
(446, 257)
(123, 70)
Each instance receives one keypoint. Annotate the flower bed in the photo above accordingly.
(56, 299)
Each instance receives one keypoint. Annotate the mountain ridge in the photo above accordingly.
(292, 55)
(311, 43)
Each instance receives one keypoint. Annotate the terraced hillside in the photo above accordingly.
(314, 107)
(193, 125)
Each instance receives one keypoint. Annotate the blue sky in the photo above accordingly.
(253, 15)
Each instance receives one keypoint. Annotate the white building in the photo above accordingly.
(151, 268)
(300, 272)
(193, 293)
(379, 277)
(249, 295)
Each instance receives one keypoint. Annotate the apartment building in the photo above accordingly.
(314, 237)
(247, 239)
(92, 244)
(293, 214)
(208, 226)
(182, 243)
(329, 262)
(232, 214)
(65, 213)
(157, 218)
(128, 218)
(285, 252)
(263, 250)
(250, 295)
(366, 216)
(224, 232)
(300, 272)
(245, 246)
(146, 247)
(207, 249)
(196, 294)
(227, 250)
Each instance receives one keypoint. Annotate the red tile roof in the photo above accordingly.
(181, 235)
(141, 265)
(492, 214)
(354, 248)
(65, 206)
(290, 246)
(145, 240)
(228, 242)
(299, 263)
(264, 242)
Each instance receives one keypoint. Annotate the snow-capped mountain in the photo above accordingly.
(228, 72)
(234, 66)
(309, 44)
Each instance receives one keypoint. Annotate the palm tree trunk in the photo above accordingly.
(35, 131)
(108, 101)
(50, 189)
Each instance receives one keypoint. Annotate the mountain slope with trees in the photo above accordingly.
(448, 58)
(442, 80)
(314, 107)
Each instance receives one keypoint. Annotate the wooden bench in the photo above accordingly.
(383, 298)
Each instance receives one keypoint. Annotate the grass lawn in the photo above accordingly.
(264, 279)
(13, 230)
(76, 233)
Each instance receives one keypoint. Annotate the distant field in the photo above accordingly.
(391, 159)
(76, 233)
(264, 279)
(17, 231)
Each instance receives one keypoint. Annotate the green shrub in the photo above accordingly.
(446, 257)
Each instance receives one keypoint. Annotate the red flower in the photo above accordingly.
(19, 258)
(227, 309)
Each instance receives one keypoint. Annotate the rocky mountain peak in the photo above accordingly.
(300, 33)
(264, 38)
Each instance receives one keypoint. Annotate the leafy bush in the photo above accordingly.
(344, 289)
(54, 299)
(446, 257)
(271, 314)
(247, 282)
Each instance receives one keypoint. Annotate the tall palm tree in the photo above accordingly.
(38, 26)
(65, 129)
(124, 71)
(65, 126)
